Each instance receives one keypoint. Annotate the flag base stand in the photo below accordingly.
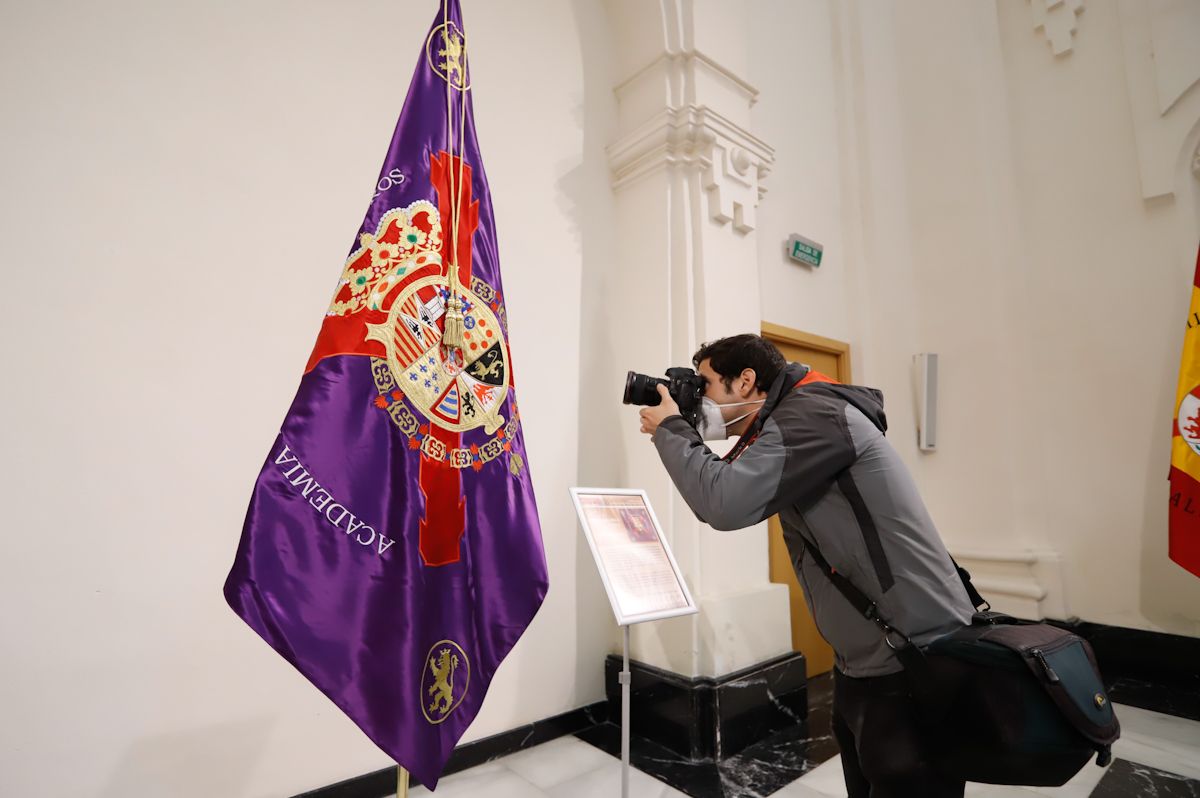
(625, 680)
(401, 782)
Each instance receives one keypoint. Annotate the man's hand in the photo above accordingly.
(653, 416)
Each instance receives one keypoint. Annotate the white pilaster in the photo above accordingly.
(687, 178)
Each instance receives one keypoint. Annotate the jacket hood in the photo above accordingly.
(869, 401)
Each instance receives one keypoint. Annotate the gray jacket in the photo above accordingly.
(816, 455)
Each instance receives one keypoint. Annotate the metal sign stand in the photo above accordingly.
(625, 680)
(623, 519)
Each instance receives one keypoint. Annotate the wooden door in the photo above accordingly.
(831, 358)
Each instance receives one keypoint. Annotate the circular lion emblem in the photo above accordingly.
(444, 680)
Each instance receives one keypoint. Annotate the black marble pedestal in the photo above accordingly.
(704, 718)
(760, 769)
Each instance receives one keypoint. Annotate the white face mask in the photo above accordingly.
(712, 426)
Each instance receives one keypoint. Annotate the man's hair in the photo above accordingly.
(730, 356)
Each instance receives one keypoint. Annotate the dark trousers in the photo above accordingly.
(883, 747)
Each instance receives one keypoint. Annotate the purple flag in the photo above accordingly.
(392, 551)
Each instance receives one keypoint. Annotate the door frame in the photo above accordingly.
(806, 637)
(840, 350)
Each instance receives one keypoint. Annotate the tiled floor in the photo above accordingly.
(563, 768)
(1157, 755)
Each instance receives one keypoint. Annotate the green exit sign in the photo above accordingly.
(804, 250)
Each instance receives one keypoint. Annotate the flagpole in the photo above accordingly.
(401, 782)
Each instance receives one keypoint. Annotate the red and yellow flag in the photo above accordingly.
(1184, 514)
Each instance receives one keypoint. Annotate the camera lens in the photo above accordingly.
(640, 389)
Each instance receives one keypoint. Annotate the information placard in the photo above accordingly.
(639, 572)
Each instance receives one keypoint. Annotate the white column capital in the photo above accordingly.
(732, 161)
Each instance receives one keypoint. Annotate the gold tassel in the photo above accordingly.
(452, 334)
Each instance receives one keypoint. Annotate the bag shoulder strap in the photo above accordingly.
(977, 601)
(909, 655)
(856, 597)
(869, 609)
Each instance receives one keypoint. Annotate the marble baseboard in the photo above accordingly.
(1129, 778)
(707, 719)
(759, 769)
(1144, 669)
(382, 783)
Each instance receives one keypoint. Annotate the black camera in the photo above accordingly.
(685, 386)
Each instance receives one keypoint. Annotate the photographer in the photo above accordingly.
(814, 451)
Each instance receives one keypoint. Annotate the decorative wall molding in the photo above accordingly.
(685, 63)
(1162, 77)
(1175, 38)
(685, 109)
(732, 162)
(1056, 18)
(731, 181)
(1021, 582)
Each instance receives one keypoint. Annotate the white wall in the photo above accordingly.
(796, 70)
(181, 183)
(1109, 286)
(990, 211)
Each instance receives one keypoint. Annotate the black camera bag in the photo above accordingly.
(1005, 701)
